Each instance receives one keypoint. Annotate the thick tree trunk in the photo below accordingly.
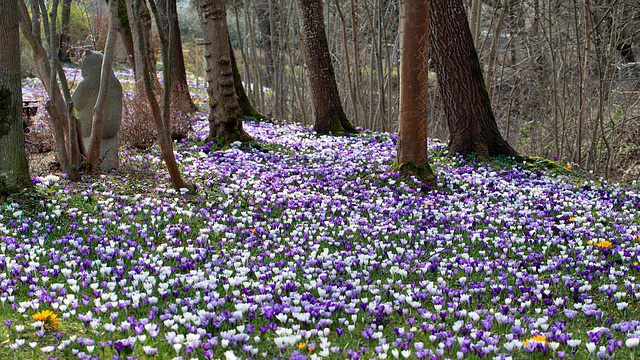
(327, 107)
(14, 169)
(179, 87)
(414, 89)
(414, 83)
(225, 116)
(466, 103)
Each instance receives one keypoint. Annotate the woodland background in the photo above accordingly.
(560, 74)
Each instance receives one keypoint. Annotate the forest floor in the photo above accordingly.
(299, 246)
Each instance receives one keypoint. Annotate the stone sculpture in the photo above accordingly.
(84, 99)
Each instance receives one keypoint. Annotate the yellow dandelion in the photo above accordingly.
(538, 338)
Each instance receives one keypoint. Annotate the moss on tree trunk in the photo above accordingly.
(424, 173)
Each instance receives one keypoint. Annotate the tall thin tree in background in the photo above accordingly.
(327, 107)
(414, 89)
(65, 46)
(14, 169)
(161, 117)
(467, 108)
(179, 87)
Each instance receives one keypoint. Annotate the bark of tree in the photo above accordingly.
(179, 86)
(414, 89)
(14, 169)
(142, 107)
(72, 168)
(225, 116)
(161, 118)
(327, 107)
(63, 52)
(466, 103)
(93, 153)
(128, 35)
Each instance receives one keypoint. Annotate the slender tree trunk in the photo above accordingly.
(327, 107)
(466, 103)
(179, 87)
(130, 31)
(160, 117)
(494, 43)
(225, 116)
(63, 52)
(14, 169)
(584, 88)
(35, 19)
(55, 106)
(356, 63)
(264, 24)
(95, 142)
(72, 168)
(473, 19)
(414, 88)
(345, 49)
(126, 31)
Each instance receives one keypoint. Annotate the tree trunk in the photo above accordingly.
(414, 88)
(142, 108)
(225, 116)
(14, 169)
(327, 107)
(63, 51)
(72, 168)
(466, 103)
(161, 119)
(264, 24)
(55, 106)
(179, 87)
(93, 153)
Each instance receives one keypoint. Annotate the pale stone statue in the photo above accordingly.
(84, 99)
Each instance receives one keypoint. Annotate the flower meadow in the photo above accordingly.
(300, 246)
